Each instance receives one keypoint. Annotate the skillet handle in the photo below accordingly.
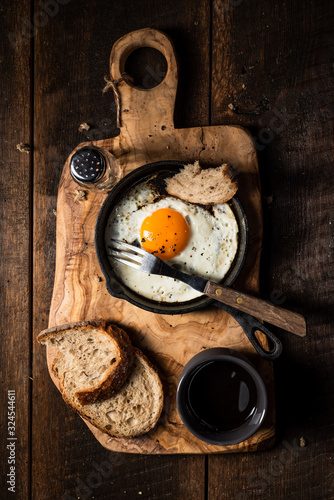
(250, 325)
(288, 320)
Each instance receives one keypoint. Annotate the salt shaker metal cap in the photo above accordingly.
(87, 165)
(94, 168)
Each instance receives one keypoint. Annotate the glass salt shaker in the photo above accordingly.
(95, 168)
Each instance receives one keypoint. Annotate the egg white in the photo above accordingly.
(209, 253)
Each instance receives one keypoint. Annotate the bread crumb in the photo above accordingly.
(97, 278)
(80, 195)
(23, 148)
(302, 442)
(83, 126)
(231, 106)
(269, 200)
(54, 211)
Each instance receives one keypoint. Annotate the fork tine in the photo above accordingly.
(128, 263)
(123, 253)
(130, 247)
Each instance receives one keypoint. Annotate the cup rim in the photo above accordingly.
(222, 438)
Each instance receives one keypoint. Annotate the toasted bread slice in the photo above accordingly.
(208, 186)
(133, 410)
(94, 358)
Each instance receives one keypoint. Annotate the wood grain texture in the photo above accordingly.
(277, 76)
(147, 135)
(72, 96)
(15, 229)
(260, 309)
(272, 61)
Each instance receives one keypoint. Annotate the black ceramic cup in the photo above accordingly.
(221, 398)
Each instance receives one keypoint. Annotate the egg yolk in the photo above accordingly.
(165, 233)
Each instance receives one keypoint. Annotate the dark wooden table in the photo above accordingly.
(267, 66)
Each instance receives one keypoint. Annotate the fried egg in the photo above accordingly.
(189, 237)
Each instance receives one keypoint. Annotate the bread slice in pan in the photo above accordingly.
(133, 410)
(93, 361)
(208, 186)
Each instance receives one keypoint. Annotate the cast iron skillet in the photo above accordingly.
(159, 171)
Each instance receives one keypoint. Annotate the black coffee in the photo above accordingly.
(222, 395)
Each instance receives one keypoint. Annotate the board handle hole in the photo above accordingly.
(146, 66)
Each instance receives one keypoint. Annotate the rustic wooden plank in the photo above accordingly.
(300, 84)
(14, 251)
(67, 93)
(278, 60)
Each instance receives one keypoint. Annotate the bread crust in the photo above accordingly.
(51, 332)
(118, 372)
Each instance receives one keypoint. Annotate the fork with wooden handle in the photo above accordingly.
(138, 258)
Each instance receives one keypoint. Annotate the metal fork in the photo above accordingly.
(151, 264)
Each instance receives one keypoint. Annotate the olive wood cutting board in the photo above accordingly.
(147, 134)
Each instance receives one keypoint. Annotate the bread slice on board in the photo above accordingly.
(208, 186)
(133, 410)
(94, 358)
